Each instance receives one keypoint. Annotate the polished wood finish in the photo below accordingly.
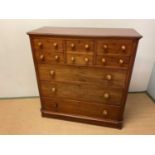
(73, 107)
(86, 32)
(80, 45)
(93, 75)
(77, 58)
(115, 46)
(50, 44)
(49, 57)
(83, 92)
(113, 61)
(83, 74)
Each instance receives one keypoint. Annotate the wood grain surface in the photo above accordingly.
(83, 74)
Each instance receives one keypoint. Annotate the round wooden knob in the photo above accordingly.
(123, 47)
(42, 57)
(121, 61)
(52, 72)
(53, 89)
(86, 46)
(55, 44)
(105, 46)
(86, 60)
(106, 95)
(72, 45)
(55, 105)
(108, 77)
(56, 57)
(40, 44)
(105, 112)
(72, 59)
(103, 60)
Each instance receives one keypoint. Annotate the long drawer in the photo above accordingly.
(107, 77)
(82, 92)
(73, 107)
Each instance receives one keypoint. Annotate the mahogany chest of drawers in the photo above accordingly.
(83, 74)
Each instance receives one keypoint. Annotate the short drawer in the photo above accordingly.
(80, 45)
(49, 57)
(83, 59)
(113, 61)
(115, 46)
(83, 92)
(73, 107)
(93, 75)
(48, 43)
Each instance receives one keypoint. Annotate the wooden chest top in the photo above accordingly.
(87, 32)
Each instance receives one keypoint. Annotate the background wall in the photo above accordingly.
(151, 85)
(17, 76)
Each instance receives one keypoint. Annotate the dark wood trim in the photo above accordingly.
(86, 32)
(83, 119)
(80, 37)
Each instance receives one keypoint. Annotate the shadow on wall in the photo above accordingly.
(151, 85)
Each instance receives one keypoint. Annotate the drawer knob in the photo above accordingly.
(106, 95)
(121, 61)
(86, 60)
(72, 59)
(52, 72)
(56, 57)
(53, 89)
(40, 44)
(55, 44)
(108, 77)
(55, 105)
(105, 46)
(123, 47)
(105, 112)
(103, 60)
(86, 46)
(72, 45)
(42, 57)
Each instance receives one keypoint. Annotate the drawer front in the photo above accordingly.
(50, 57)
(80, 45)
(107, 77)
(83, 92)
(84, 59)
(115, 46)
(81, 108)
(47, 43)
(113, 61)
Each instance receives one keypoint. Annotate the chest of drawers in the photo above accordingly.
(83, 74)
